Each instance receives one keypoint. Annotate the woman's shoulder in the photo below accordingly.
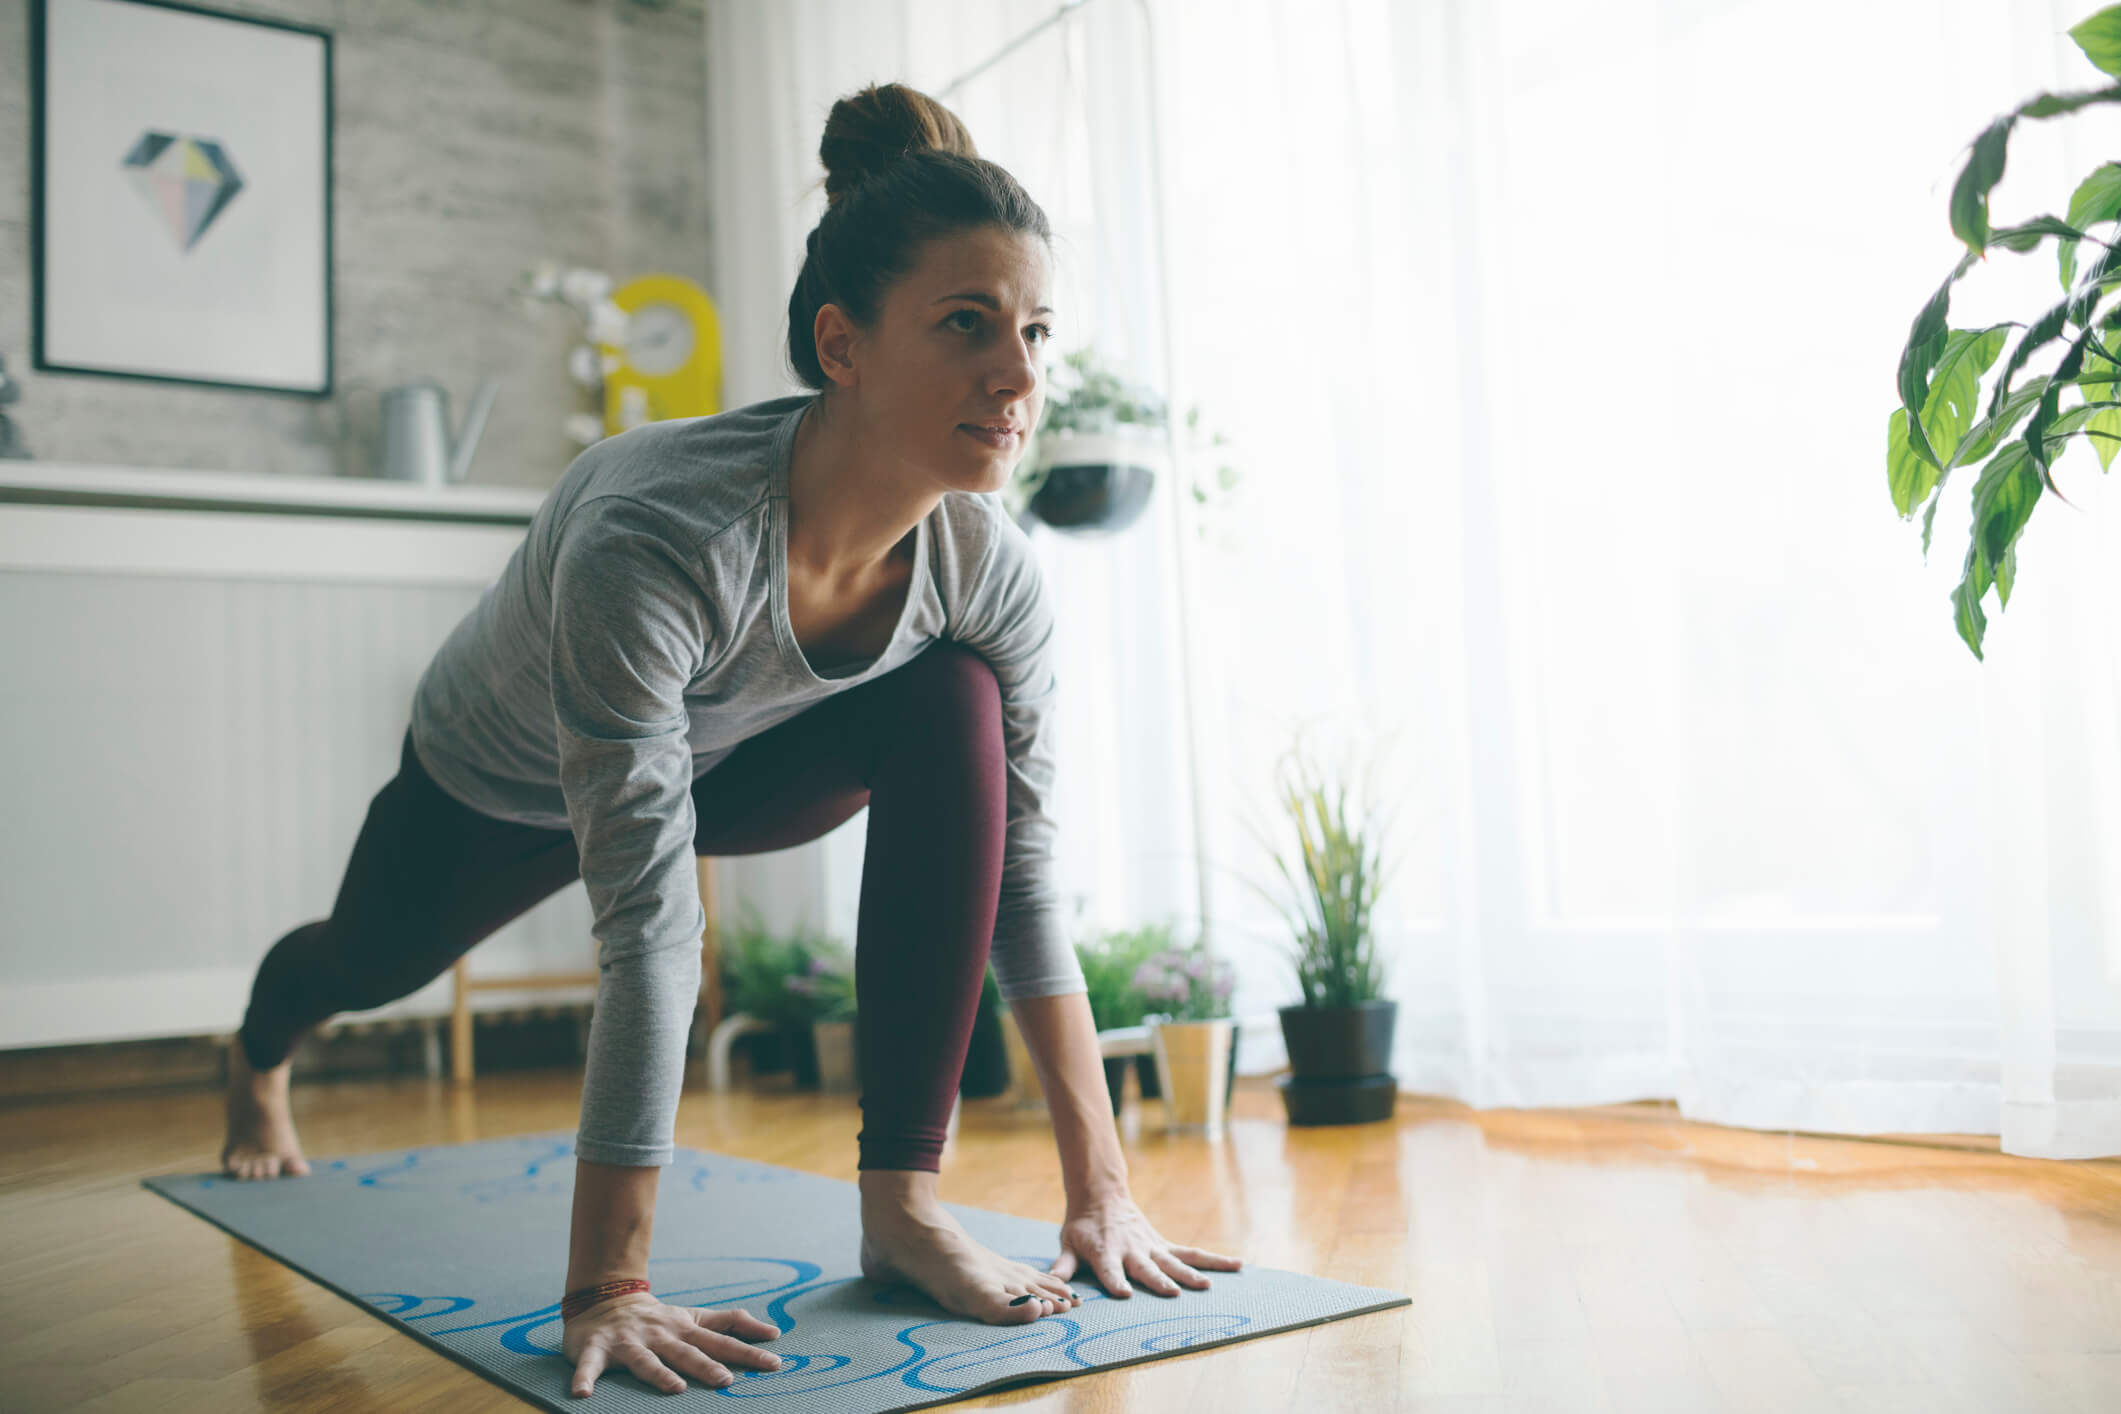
(974, 531)
(705, 474)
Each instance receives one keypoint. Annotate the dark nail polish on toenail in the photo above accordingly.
(1020, 1300)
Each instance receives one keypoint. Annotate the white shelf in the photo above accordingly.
(81, 483)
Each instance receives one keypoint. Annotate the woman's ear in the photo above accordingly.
(836, 337)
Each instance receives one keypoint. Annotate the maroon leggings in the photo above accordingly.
(921, 746)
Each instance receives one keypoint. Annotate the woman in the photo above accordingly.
(726, 635)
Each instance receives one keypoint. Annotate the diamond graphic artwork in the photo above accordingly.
(187, 181)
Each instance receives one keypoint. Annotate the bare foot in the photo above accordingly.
(909, 1236)
(261, 1128)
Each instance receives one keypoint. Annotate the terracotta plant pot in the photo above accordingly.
(1145, 1071)
(833, 1042)
(1193, 1069)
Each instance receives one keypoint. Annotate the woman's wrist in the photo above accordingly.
(613, 1223)
(575, 1302)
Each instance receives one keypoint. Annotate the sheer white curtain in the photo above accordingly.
(773, 73)
(1557, 344)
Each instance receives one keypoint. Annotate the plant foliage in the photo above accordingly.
(1337, 877)
(785, 980)
(1941, 423)
(1109, 961)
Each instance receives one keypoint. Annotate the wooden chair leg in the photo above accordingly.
(460, 1026)
(708, 1018)
(710, 950)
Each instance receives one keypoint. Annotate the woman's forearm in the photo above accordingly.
(614, 1216)
(1062, 1039)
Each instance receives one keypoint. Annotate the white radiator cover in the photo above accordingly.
(197, 706)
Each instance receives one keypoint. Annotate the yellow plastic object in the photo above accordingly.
(671, 365)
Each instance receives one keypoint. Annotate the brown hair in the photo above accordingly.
(900, 170)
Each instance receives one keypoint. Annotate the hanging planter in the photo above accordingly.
(1098, 452)
(1095, 484)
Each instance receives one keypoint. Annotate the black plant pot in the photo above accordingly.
(986, 1072)
(1100, 498)
(800, 1043)
(768, 1051)
(1116, 1080)
(1340, 1060)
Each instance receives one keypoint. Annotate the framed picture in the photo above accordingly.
(180, 222)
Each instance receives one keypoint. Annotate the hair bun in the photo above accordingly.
(868, 131)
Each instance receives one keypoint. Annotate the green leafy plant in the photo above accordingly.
(1941, 423)
(788, 980)
(1333, 950)
(828, 983)
(1109, 961)
(1186, 984)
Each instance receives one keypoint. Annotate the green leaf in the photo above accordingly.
(1983, 169)
(2106, 421)
(1955, 390)
(2003, 500)
(1926, 343)
(1990, 430)
(2025, 236)
(2043, 331)
(1967, 615)
(2005, 573)
(2100, 39)
(2079, 307)
(2096, 200)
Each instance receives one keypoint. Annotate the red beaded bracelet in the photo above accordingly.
(576, 1302)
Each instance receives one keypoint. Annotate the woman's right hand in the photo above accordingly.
(663, 1343)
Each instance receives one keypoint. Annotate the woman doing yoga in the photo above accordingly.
(726, 635)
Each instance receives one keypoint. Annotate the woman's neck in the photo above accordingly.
(847, 519)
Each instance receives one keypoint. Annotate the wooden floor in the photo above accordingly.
(1584, 1260)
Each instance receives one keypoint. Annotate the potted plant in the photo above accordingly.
(828, 984)
(1108, 962)
(1339, 1037)
(1942, 424)
(1193, 1034)
(758, 968)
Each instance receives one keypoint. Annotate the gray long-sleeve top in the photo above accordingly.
(637, 635)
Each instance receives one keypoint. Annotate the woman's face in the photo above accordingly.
(960, 343)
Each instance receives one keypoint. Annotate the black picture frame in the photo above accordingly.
(181, 106)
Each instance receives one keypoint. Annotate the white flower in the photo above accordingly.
(588, 369)
(583, 288)
(545, 279)
(607, 324)
(585, 428)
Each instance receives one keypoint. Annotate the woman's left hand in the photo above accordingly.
(1114, 1241)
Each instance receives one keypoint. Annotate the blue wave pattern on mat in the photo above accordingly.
(490, 1219)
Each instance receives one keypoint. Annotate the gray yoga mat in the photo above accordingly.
(464, 1246)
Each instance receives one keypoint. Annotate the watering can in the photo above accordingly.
(417, 443)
